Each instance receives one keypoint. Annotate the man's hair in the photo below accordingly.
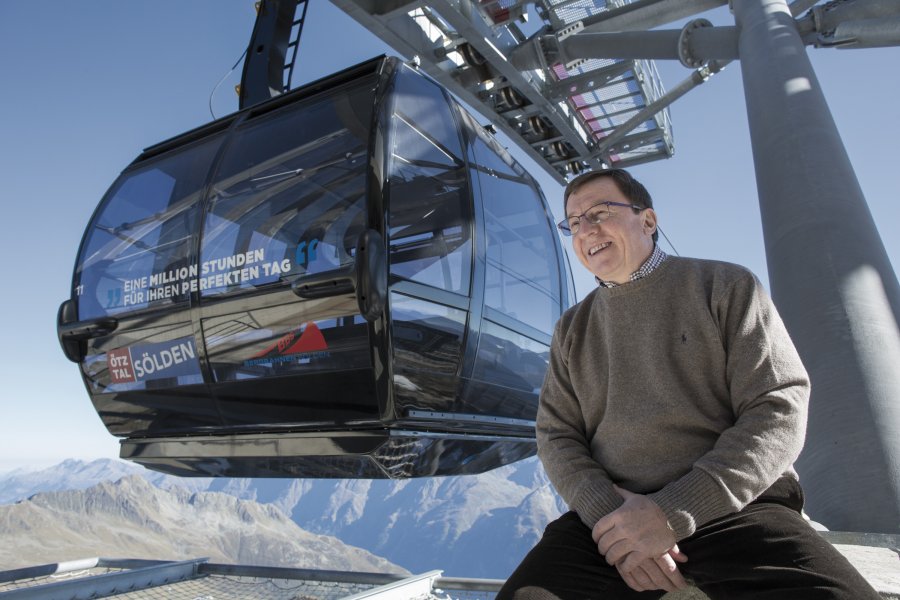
(633, 189)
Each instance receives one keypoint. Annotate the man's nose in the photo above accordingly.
(586, 228)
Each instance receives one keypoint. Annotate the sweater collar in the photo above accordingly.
(656, 258)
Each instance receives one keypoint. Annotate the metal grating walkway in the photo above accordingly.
(200, 580)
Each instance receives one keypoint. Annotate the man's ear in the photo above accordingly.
(649, 221)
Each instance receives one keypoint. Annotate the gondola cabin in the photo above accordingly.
(353, 280)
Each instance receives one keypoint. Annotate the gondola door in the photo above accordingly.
(429, 224)
(288, 203)
(523, 288)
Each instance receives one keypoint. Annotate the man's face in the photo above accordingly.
(616, 248)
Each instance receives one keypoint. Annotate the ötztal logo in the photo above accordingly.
(153, 361)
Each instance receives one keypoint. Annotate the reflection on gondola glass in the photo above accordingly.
(427, 344)
(268, 342)
(429, 200)
(510, 359)
(522, 280)
(135, 255)
(289, 196)
(427, 335)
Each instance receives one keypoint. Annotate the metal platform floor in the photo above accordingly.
(198, 579)
(877, 556)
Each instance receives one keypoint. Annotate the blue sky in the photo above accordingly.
(88, 84)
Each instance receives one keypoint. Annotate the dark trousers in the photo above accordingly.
(766, 551)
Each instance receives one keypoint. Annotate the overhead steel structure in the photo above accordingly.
(579, 92)
(560, 113)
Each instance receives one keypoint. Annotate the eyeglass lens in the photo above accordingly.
(594, 215)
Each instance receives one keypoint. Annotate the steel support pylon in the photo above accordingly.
(830, 277)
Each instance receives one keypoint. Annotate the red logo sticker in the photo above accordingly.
(120, 369)
(311, 340)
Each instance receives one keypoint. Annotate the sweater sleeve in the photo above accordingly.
(769, 391)
(563, 444)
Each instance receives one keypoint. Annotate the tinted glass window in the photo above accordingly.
(429, 211)
(427, 341)
(270, 342)
(136, 254)
(289, 196)
(427, 336)
(509, 359)
(522, 276)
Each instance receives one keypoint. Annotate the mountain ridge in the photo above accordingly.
(420, 524)
(133, 518)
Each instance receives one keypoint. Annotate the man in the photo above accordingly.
(672, 412)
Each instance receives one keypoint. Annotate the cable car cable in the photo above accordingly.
(224, 77)
(668, 240)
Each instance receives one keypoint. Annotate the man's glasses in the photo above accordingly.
(594, 215)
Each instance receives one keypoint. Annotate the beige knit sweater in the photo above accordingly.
(683, 385)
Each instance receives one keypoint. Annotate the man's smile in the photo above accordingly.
(595, 249)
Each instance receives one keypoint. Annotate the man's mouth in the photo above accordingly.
(594, 250)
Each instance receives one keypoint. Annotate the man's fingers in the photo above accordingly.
(631, 582)
(609, 539)
(670, 571)
(608, 522)
(677, 554)
(615, 553)
(631, 579)
(659, 579)
(649, 575)
(639, 520)
(629, 562)
(602, 526)
(644, 579)
(659, 574)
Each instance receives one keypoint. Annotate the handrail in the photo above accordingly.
(367, 277)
